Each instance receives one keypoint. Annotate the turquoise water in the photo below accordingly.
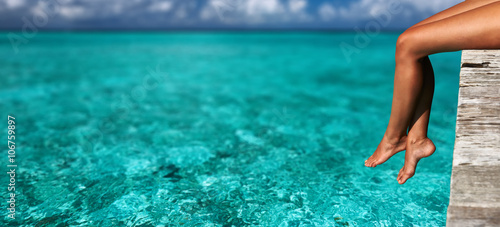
(215, 129)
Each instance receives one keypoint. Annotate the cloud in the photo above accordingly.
(207, 13)
(326, 12)
(261, 7)
(297, 5)
(73, 12)
(364, 9)
(216, 13)
(12, 4)
(433, 6)
(255, 12)
(367, 9)
(163, 6)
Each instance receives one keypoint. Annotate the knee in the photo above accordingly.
(406, 46)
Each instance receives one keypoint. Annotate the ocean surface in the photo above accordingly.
(215, 129)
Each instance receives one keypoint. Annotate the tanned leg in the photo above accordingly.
(456, 9)
(473, 29)
(417, 136)
(393, 143)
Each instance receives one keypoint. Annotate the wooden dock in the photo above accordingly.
(475, 179)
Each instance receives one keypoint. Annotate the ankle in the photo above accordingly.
(416, 139)
(394, 139)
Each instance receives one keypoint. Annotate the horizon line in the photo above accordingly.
(197, 30)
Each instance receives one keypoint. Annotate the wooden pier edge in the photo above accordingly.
(475, 179)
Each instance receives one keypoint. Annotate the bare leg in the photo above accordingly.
(454, 10)
(394, 139)
(420, 119)
(418, 144)
(473, 29)
(408, 89)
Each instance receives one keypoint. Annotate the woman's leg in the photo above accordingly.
(392, 144)
(454, 10)
(473, 29)
(420, 119)
(417, 142)
(416, 81)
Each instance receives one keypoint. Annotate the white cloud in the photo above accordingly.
(365, 9)
(255, 11)
(212, 8)
(12, 4)
(433, 6)
(234, 12)
(297, 5)
(207, 13)
(182, 11)
(73, 12)
(261, 7)
(162, 6)
(264, 11)
(327, 12)
(72, 9)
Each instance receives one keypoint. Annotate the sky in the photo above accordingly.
(216, 14)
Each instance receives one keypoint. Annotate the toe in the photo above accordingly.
(401, 175)
(406, 175)
(371, 162)
(402, 180)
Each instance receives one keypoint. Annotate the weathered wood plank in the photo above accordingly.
(475, 180)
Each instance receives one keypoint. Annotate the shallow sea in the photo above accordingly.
(215, 129)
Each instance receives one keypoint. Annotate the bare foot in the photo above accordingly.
(415, 150)
(385, 150)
